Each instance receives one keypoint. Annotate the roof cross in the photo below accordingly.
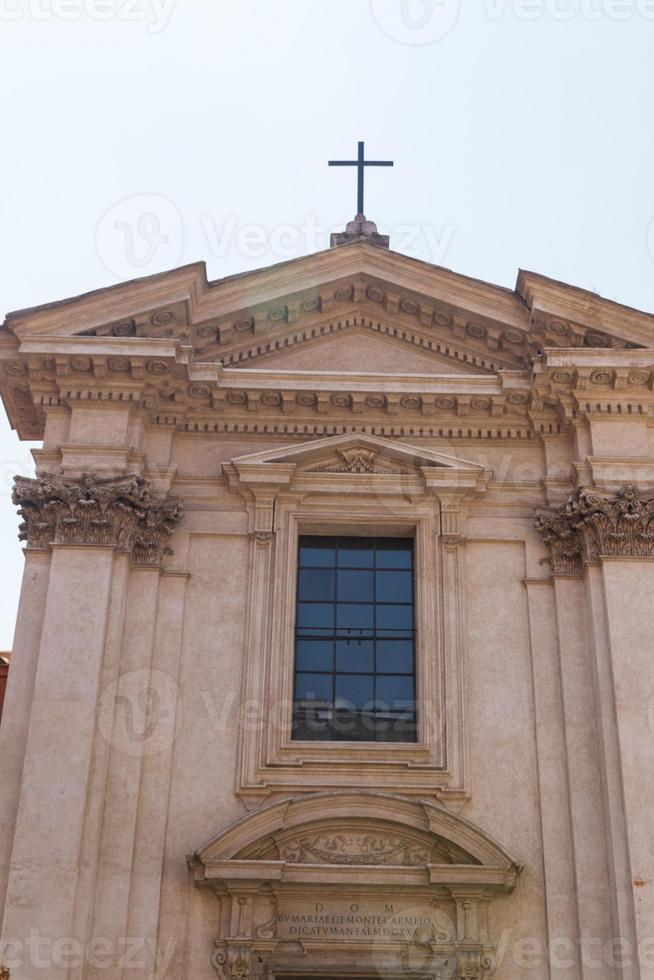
(361, 163)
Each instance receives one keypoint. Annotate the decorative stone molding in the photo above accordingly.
(232, 962)
(475, 965)
(376, 486)
(593, 524)
(566, 555)
(117, 512)
(390, 880)
(354, 848)
(354, 461)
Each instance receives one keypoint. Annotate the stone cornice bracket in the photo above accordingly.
(114, 512)
(593, 524)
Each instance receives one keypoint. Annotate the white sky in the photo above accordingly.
(142, 134)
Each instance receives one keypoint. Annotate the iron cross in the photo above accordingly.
(361, 163)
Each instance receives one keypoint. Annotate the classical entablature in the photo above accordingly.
(354, 880)
(412, 348)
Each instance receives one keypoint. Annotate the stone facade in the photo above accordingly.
(156, 818)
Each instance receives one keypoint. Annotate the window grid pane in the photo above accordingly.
(363, 587)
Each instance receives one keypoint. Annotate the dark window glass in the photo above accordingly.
(315, 614)
(354, 618)
(354, 690)
(314, 655)
(314, 554)
(355, 641)
(355, 656)
(314, 687)
(394, 586)
(355, 553)
(394, 619)
(356, 586)
(316, 584)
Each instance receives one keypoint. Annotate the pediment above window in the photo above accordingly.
(354, 460)
(350, 834)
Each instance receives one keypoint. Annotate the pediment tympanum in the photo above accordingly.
(314, 464)
(364, 345)
(346, 881)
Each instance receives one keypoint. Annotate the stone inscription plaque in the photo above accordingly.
(367, 921)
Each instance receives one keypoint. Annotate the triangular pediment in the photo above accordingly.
(357, 453)
(181, 304)
(424, 319)
(358, 463)
(362, 348)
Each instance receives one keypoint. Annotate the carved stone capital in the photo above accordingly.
(116, 512)
(566, 553)
(594, 524)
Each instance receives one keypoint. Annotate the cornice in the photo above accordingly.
(537, 302)
(164, 380)
(550, 299)
(168, 356)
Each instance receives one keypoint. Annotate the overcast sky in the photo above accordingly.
(143, 134)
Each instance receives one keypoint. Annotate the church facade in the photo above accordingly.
(334, 648)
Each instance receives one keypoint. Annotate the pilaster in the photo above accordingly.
(18, 700)
(609, 536)
(92, 526)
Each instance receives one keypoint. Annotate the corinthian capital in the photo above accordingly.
(92, 510)
(593, 524)
(566, 553)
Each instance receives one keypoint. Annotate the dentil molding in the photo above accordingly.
(117, 512)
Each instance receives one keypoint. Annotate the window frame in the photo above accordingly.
(305, 490)
(270, 761)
